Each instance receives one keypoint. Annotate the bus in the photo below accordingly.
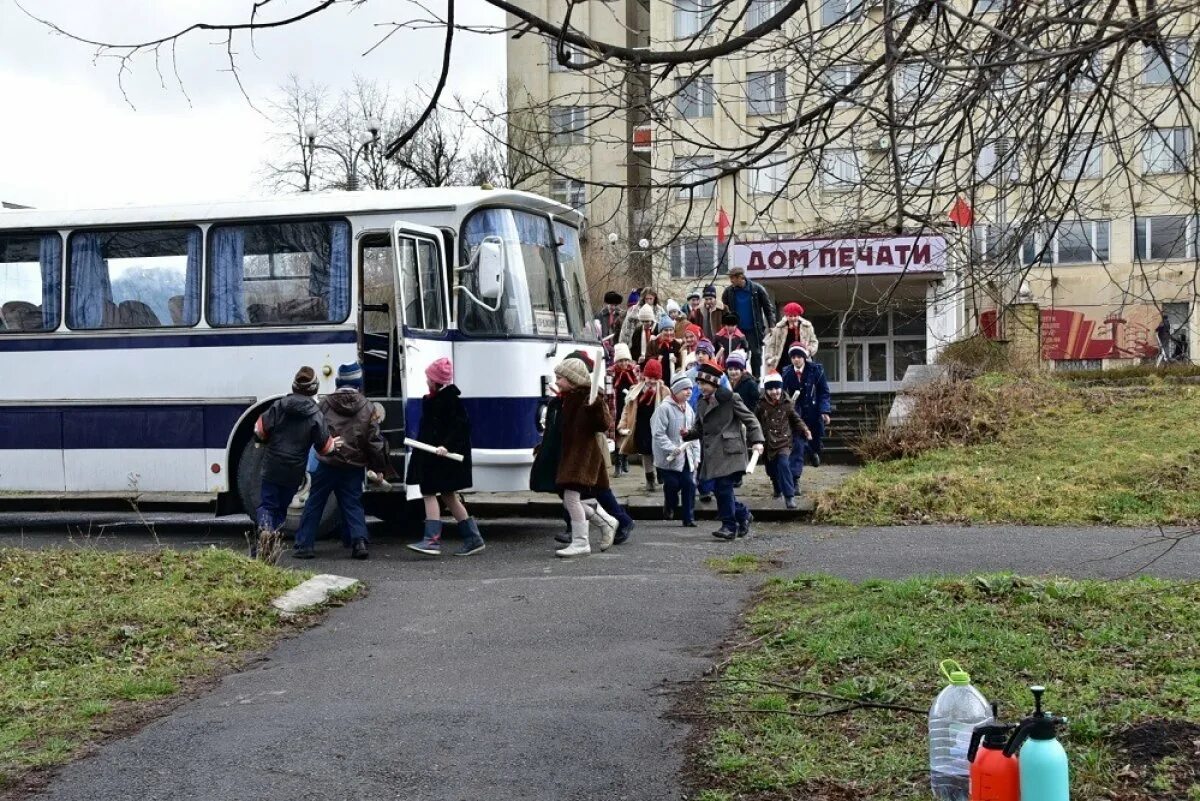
(139, 345)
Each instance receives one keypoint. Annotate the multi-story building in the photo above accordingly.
(1099, 230)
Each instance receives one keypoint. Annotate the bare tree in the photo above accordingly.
(852, 117)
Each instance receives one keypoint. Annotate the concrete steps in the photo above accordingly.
(854, 414)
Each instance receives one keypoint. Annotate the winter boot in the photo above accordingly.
(727, 531)
(472, 540)
(579, 541)
(431, 545)
(624, 463)
(606, 526)
(564, 537)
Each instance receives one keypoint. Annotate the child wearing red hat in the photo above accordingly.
(640, 403)
(791, 328)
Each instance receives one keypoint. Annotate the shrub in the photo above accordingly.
(953, 411)
(975, 355)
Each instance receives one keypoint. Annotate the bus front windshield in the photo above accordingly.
(532, 305)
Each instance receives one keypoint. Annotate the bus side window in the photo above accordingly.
(30, 281)
(147, 278)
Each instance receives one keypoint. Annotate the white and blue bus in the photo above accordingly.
(139, 345)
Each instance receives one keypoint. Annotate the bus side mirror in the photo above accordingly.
(489, 266)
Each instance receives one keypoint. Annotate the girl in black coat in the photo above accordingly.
(444, 425)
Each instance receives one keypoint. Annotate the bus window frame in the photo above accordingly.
(462, 258)
(62, 280)
(65, 301)
(351, 243)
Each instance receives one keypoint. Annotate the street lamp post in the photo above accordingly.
(367, 139)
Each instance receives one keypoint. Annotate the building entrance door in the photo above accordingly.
(874, 350)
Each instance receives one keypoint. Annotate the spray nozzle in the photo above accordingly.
(1039, 725)
(992, 736)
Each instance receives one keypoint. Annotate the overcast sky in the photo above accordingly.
(69, 139)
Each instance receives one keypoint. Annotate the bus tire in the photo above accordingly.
(249, 484)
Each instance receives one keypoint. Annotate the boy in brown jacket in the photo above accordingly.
(779, 421)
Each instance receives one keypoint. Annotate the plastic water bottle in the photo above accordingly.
(955, 713)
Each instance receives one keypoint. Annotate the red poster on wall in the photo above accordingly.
(1071, 334)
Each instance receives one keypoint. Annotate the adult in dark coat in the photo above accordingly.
(446, 426)
(755, 311)
(805, 379)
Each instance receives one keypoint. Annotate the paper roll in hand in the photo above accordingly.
(421, 446)
(753, 463)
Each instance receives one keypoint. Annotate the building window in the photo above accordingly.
(569, 192)
(279, 273)
(573, 53)
(694, 258)
(134, 278)
(986, 6)
(834, 12)
(998, 162)
(915, 81)
(1165, 237)
(696, 168)
(1073, 242)
(693, 16)
(759, 11)
(1083, 159)
(1175, 67)
(836, 78)
(694, 97)
(1166, 150)
(840, 169)
(998, 244)
(919, 164)
(30, 282)
(764, 92)
(567, 124)
(772, 177)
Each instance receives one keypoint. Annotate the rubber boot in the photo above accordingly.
(472, 539)
(606, 528)
(579, 541)
(431, 545)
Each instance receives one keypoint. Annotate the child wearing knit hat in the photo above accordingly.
(634, 427)
(446, 426)
(675, 459)
(624, 376)
(288, 428)
(581, 465)
(781, 424)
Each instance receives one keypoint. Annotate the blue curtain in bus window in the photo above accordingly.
(532, 229)
(50, 256)
(226, 299)
(191, 286)
(339, 272)
(90, 290)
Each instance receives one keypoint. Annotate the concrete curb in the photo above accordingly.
(638, 510)
(313, 592)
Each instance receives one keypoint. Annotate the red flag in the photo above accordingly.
(723, 226)
(962, 215)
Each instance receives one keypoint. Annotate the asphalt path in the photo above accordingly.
(510, 674)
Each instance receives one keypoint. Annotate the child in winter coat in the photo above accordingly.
(581, 468)
(675, 459)
(730, 337)
(668, 352)
(780, 423)
(740, 381)
(640, 405)
(624, 376)
(288, 428)
(341, 472)
(445, 425)
(723, 426)
(642, 341)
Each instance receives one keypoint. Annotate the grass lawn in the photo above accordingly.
(1128, 456)
(88, 637)
(1120, 659)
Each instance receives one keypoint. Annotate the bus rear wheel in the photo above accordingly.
(249, 484)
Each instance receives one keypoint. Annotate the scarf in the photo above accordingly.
(649, 396)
